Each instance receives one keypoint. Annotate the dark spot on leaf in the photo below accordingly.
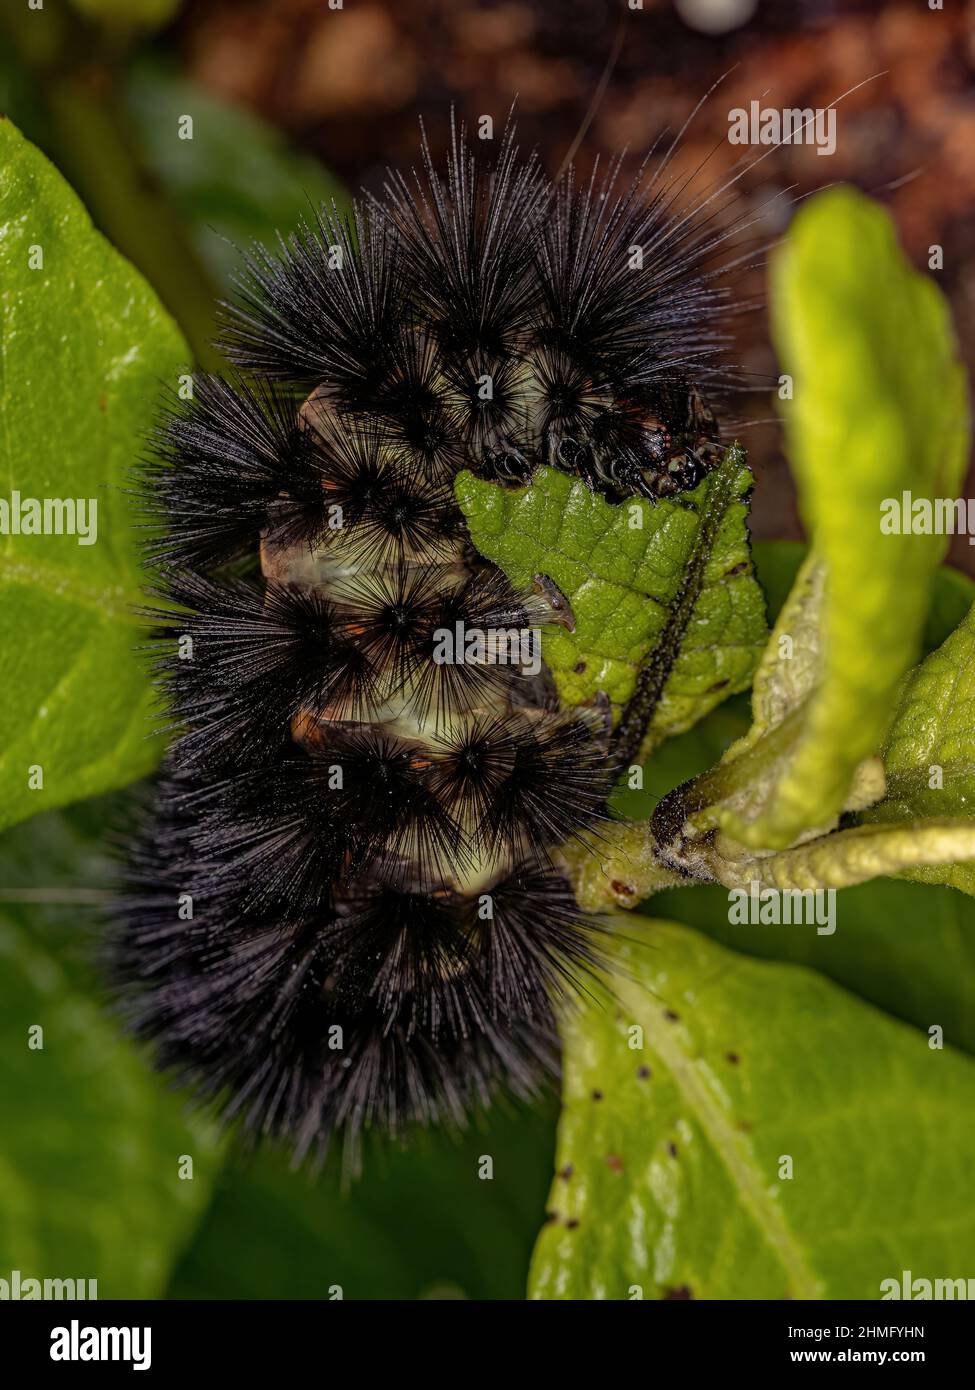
(718, 685)
(733, 1058)
(672, 1149)
(736, 569)
(615, 1162)
(670, 1016)
(597, 1095)
(643, 1073)
(579, 667)
(566, 1173)
(622, 890)
(682, 1291)
(571, 1225)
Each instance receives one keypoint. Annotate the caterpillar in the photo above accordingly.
(345, 907)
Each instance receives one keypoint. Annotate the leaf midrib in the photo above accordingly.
(641, 708)
(106, 601)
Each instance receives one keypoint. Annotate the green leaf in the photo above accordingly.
(669, 588)
(787, 674)
(85, 344)
(879, 408)
(932, 738)
(959, 876)
(921, 975)
(670, 1156)
(932, 741)
(423, 1221)
(909, 950)
(236, 181)
(90, 1139)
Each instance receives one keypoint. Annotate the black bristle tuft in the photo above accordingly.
(469, 241)
(327, 305)
(393, 1008)
(240, 663)
(221, 460)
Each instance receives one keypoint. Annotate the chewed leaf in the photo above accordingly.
(85, 344)
(704, 1113)
(879, 409)
(667, 586)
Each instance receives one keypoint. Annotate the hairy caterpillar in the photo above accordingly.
(345, 907)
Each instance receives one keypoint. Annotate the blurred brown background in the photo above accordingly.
(350, 85)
